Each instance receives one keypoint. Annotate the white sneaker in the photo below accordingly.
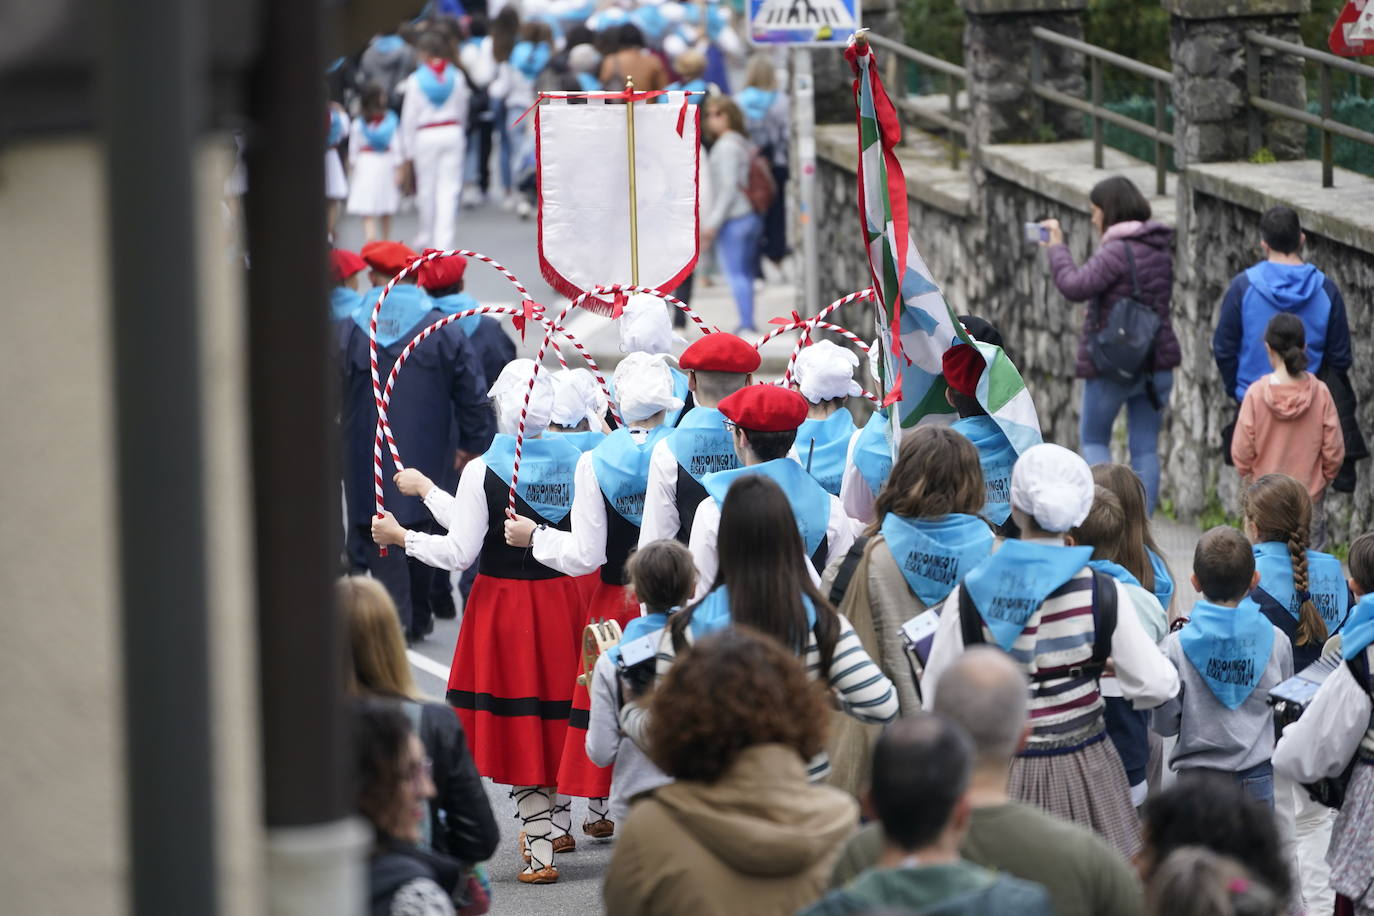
(473, 196)
(510, 201)
(523, 208)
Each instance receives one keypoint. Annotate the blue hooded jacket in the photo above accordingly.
(1260, 293)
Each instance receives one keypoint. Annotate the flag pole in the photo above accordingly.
(634, 198)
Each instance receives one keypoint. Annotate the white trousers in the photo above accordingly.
(438, 181)
(1305, 832)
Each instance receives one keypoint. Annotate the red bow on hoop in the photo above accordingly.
(783, 320)
(618, 302)
(530, 309)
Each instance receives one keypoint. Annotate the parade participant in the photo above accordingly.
(1140, 553)
(644, 327)
(691, 67)
(764, 582)
(927, 537)
(460, 820)
(1228, 656)
(1037, 599)
(717, 365)
(442, 278)
(516, 659)
(1335, 734)
(663, 578)
(432, 141)
(608, 505)
(335, 180)
(441, 386)
(1303, 592)
(866, 466)
(372, 158)
(763, 420)
(825, 377)
(344, 268)
(1104, 530)
(579, 408)
(963, 368)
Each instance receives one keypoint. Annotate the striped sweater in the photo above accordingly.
(859, 684)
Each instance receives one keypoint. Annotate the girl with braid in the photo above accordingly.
(1303, 592)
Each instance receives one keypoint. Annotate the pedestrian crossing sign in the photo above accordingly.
(803, 22)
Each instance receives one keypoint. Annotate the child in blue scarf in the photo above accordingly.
(1335, 732)
(1229, 656)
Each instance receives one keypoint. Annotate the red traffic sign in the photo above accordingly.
(1353, 33)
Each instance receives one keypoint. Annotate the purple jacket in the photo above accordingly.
(1105, 277)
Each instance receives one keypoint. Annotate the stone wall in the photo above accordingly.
(975, 250)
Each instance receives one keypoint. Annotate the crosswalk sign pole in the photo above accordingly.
(804, 92)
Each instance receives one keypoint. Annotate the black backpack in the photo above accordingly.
(1122, 348)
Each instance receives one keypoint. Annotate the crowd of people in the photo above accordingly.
(792, 662)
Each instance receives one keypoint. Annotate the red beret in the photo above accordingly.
(765, 408)
(963, 368)
(344, 264)
(720, 352)
(388, 257)
(442, 273)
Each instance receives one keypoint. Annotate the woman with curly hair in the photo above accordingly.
(741, 830)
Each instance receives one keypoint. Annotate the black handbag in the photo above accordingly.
(1122, 347)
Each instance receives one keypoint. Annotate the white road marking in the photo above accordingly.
(428, 665)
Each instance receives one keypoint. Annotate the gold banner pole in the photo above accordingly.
(634, 199)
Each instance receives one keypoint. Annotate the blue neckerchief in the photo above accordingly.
(1325, 582)
(1228, 647)
(379, 136)
(1164, 583)
(934, 554)
(873, 452)
(460, 302)
(588, 83)
(755, 102)
(826, 460)
(651, 21)
(437, 88)
(1009, 586)
(1358, 632)
(997, 457)
(343, 302)
(583, 441)
(547, 466)
(530, 58)
(389, 44)
(401, 311)
(808, 499)
(670, 418)
(701, 445)
(621, 463)
(1115, 570)
(640, 626)
(338, 126)
(712, 613)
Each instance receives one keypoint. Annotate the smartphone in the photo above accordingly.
(1036, 233)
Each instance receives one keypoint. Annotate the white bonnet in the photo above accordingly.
(1052, 485)
(825, 370)
(577, 397)
(645, 325)
(509, 394)
(644, 386)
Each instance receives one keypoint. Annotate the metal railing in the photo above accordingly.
(1323, 122)
(900, 55)
(1163, 84)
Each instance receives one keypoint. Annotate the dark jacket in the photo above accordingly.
(1105, 277)
(960, 889)
(461, 822)
(1257, 295)
(404, 879)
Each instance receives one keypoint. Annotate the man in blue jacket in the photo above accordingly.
(1282, 282)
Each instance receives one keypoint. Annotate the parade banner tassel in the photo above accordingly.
(915, 323)
(581, 144)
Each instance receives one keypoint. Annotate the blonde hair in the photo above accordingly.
(761, 74)
(690, 64)
(376, 646)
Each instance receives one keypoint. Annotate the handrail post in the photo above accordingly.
(1037, 65)
(1095, 69)
(1252, 91)
(1161, 166)
(1328, 177)
(953, 88)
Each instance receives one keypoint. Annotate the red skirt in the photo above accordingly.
(577, 775)
(513, 673)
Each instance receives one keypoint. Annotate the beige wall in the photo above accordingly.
(61, 785)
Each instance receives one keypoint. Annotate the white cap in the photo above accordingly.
(825, 370)
(644, 386)
(509, 395)
(1052, 485)
(645, 325)
(577, 397)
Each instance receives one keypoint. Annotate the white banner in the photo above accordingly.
(584, 191)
